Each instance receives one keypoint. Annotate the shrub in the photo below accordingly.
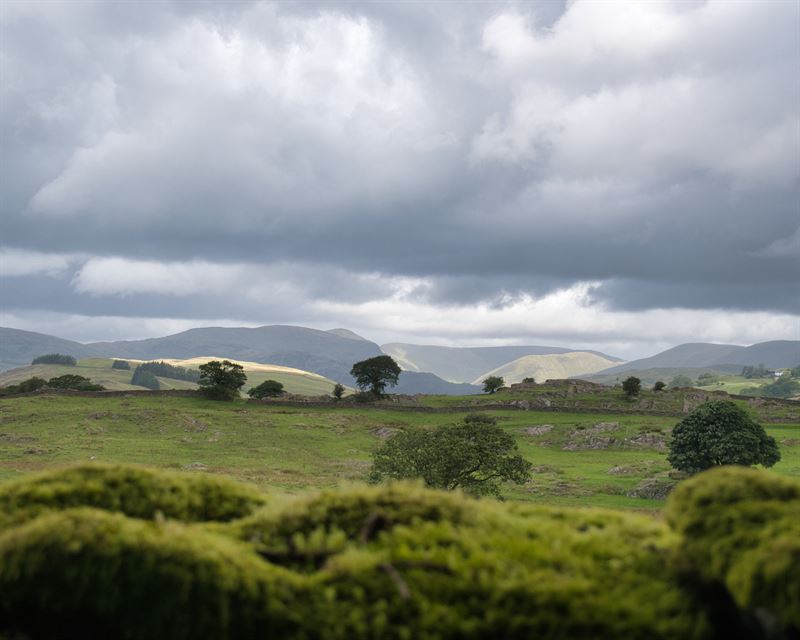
(121, 364)
(143, 378)
(719, 433)
(55, 358)
(26, 386)
(741, 528)
(659, 386)
(338, 391)
(135, 491)
(480, 418)
(267, 389)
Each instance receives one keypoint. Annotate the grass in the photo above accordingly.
(100, 372)
(292, 449)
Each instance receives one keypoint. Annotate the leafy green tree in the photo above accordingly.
(529, 380)
(492, 384)
(680, 381)
(165, 370)
(144, 378)
(56, 358)
(267, 389)
(783, 387)
(758, 371)
(221, 380)
(470, 456)
(338, 391)
(74, 382)
(719, 433)
(374, 374)
(795, 372)
(631, 386)
(659, 386)
(121, 364)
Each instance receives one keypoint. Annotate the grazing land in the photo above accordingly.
(583, 454)
(99, 370)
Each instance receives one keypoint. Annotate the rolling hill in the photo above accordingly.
(465, 364)
(100, 372)
(18, 348)
(550, 366)
(773, 354)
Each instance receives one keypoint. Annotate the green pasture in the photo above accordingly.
(292, 449)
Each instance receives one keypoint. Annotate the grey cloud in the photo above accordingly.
(175, 131)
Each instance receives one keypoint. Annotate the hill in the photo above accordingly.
(18, 348)
(100, 372)
(773, 354)
(549, 367)
(415, 382)
(322, 352)
(465, 364)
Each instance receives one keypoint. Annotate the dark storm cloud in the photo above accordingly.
(484, 152)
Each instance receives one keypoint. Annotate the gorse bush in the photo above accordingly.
(74, 382)
(398, 561)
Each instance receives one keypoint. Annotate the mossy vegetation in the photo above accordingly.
(397, 561)
(137, 492)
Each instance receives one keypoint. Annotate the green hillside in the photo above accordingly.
(100, 372)
(598, 459)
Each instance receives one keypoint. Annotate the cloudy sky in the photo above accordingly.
(610, 175)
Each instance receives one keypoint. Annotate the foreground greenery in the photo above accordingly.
(612, 459)
(109, 551)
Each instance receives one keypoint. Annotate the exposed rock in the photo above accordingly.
(653, 488)
(194, 466)
(538, 429)
(655, 441)
(383, 432)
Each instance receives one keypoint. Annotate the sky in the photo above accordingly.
(620, 176)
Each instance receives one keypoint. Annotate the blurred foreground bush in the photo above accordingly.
(126, 552)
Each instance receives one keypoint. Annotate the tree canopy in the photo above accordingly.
(56, 358)
(375, 374)
(631, 386)
(221, 380)
(267, 389)
(475, 456)
(493, 383)
(719, 433)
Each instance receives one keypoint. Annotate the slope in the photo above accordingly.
(19, 348)
(549, 367)
(773, 354)
(463, 364)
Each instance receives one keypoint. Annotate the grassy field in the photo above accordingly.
(100, 372)
(579, 458)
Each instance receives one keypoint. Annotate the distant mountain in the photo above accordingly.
(321, 352)
(346, 333)
(773, 354)
(465, 364)
(551, 366)
(18, 348)
(413, 382)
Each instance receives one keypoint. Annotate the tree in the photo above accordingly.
(492, 384)
(719, 433)
(121, 364)
(267, 389)
(144, 378)
(529, 380)
(471, 456)
(375, 374)
(680, 381)
(55, 358)
(74, 382)
(338, 391)
(631, 386)
(221, 380)
(659, 386)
